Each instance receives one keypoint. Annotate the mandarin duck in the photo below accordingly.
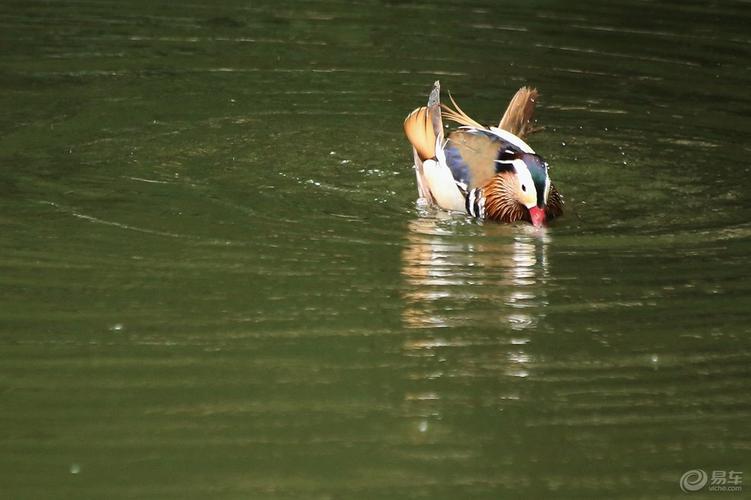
(487, 172)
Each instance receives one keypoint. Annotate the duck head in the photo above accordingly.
(533, 185)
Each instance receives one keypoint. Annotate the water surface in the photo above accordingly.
(216, 282)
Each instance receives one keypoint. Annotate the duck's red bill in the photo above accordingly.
(537, 215)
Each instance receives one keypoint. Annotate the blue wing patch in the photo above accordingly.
(457, 165)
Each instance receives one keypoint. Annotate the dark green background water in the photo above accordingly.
(215, 282)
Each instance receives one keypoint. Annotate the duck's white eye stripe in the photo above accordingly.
(520, 167)
(526, 183)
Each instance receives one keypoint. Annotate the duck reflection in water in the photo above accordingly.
(474, 295)
(479, 275)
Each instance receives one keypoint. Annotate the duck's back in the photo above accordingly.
(475, 155)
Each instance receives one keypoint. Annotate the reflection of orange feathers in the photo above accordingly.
(419, 129)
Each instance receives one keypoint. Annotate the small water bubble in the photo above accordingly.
(563, 143)
(117, 327)
(332, 153)
(75, 468)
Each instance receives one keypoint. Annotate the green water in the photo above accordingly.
(215, 281)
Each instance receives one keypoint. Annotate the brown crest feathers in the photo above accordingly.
(419, 129)
(518, 116)
(457, 115)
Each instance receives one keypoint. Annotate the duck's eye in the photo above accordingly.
(524, 188)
